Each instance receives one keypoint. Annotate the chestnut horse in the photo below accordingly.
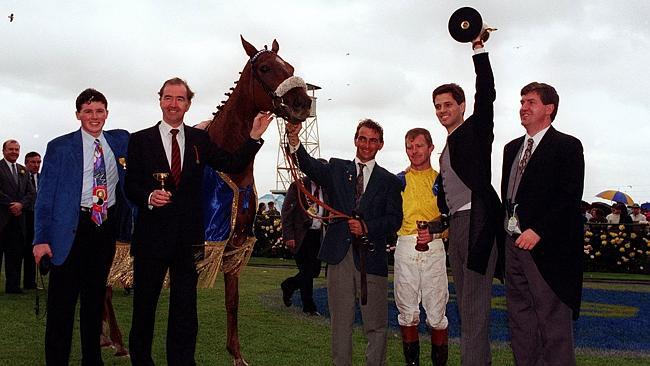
(266, 84)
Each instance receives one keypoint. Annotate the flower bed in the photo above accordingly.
(617, 248)
(268, 230)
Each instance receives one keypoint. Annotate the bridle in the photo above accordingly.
(276, 100)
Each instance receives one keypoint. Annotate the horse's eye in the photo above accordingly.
(265, 68)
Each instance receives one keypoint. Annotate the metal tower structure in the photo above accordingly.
(308, 138)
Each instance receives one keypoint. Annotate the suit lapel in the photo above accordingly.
(76, 156)
(155, 142)
(509, 156)
(118, 153)
(349, 184)
(190, 153)
(536, 159)
(4, 168)
(373, 186)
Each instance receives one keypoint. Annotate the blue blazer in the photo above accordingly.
(380, 207)
(56, 213)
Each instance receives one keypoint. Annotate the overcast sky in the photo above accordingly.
(375, 59)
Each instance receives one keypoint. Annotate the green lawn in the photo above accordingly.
(271, 334)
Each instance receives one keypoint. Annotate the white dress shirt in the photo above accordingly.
(112, 177)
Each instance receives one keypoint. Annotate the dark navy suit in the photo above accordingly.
(12, 228)
(381, 209)
(168, 237)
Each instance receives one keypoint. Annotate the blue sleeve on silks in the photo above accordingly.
(217, 205)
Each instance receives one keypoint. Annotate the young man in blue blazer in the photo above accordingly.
(75, 225)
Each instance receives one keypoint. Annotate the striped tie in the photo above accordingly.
(176, 158)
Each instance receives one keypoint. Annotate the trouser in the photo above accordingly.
(82, 275)
(308, 268)
(473, 294)
(343, 287)
(11, 244)
(541, 325)
(29, 265)
(182, 323)
(421, 276)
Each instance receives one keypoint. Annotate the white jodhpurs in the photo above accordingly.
(421, 277)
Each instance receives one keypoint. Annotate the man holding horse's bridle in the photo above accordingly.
(369, 198)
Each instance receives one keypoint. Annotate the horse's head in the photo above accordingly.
(273, 85)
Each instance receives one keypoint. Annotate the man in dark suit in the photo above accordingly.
(302, 235)
(360, 187)
(472, 202)
(542, 182)
(33, 165)
(16, 194)
(75, 225)
(169, 228)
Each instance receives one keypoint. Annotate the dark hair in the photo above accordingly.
(177, 81)
(12, 141)
(31, 154)
(90, 95)
(415, 132)
(456, 92)
(547, 95)
(368, 123)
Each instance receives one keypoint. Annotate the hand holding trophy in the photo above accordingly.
(160, 197)
(466, 25)
(422, 225)
(161, 177)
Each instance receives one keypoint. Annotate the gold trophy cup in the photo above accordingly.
(161, 177)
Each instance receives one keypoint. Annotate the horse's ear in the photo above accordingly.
(250, 49)
(275, 47)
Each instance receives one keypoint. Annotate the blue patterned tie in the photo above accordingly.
(100, 190)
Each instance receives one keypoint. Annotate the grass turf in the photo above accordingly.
(270, 333)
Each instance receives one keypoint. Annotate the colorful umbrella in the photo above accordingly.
(616, 196)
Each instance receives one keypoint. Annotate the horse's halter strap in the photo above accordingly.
(286, 85)
(267, 89)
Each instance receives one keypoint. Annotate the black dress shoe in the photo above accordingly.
(312, 313)
(287, 293)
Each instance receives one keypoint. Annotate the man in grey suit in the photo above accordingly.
(16, 194)
(360, 187)
(472, 202)
(541, 183)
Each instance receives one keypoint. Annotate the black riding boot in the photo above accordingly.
(439, 347)
(411, 345)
